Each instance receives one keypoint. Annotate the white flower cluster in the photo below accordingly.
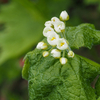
(54, 31)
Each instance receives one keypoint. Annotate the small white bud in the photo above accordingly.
(47, 30)
(64, 16)
(62, 44)
(71, 54)
(52, 38)
(54, 20)
(59, 26)
(41, 45)
(56, 53)
(48, 24)
(45, 53)
(63, 60)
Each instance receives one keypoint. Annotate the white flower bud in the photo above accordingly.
(62, 44)
(71, 54)
(59, 26)
(45, 53)
(41, 45)
(48, 24)
(54, 20)
(56, 53)
(63, 60)
(52, 38)
(47, 30)
(64, 16)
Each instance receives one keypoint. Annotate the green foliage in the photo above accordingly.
(21, 18)
(98, 98)
(20, 32)
(49, 80)
(91, 1)
(52, 7)
(98, 87)
(21, 25)
(25, 69)
(83, 35)
(9, 71)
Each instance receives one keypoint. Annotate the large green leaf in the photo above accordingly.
(83, 35)
(49, 80)
(20, 32)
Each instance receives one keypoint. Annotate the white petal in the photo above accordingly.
(48, 24)
(59, 26)
(63, 60)
(52, 38)
(39, 45)
(56, 53)
(62, 44)
(64, 16)
(47, 30)
(54, 20)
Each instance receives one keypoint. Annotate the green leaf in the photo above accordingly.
(49, 80)
(20, 32)
(25, 69)
(83, 35)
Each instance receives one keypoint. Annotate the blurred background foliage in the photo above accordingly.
(21, 26)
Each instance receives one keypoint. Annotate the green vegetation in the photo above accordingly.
(21, 26)
(49, 80)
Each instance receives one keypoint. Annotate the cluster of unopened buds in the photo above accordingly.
(54, 31)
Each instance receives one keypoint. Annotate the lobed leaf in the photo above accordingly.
(49, 80)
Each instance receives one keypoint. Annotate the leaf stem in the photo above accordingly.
(52, 48)
(64, 53)
(94, 81)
